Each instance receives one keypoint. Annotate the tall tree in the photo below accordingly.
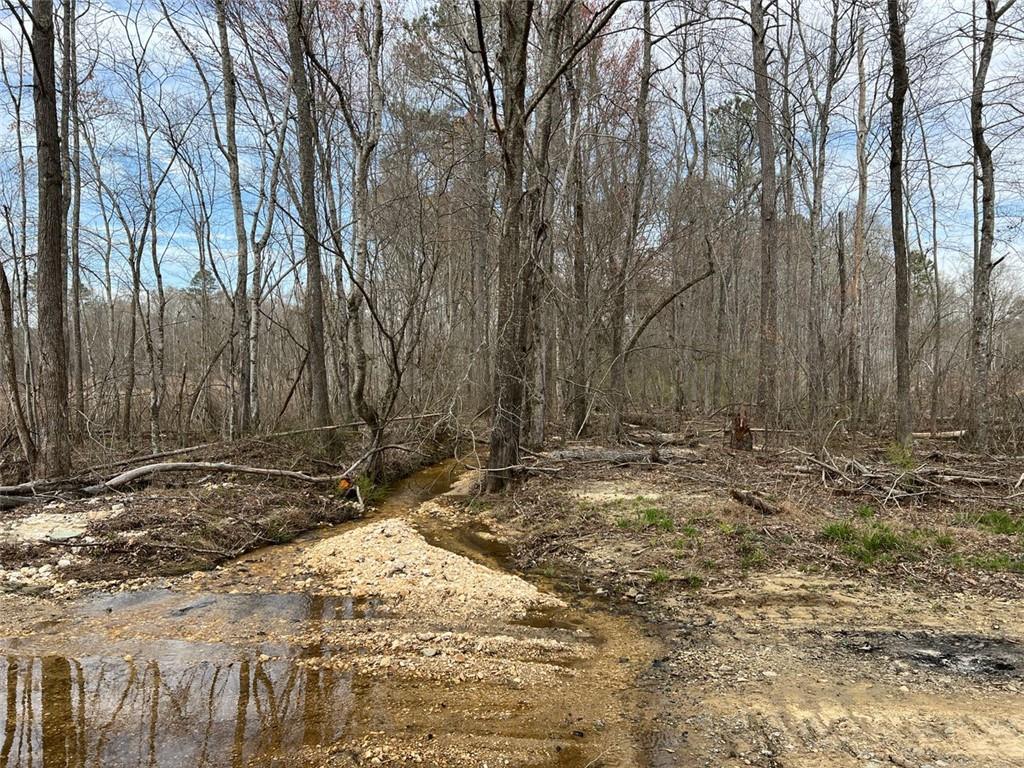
(515, 19)
(981, 296)
(54, 457)
(240, 355)
(621, 264)
(900, 83)
(317, 363)
(767, 385)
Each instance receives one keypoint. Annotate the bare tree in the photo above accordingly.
(900, 83)
(308, 216)
(767, 381)
(981, 296)
(54, 455)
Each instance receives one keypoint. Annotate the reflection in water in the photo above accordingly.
(168, 711)
(185, 704)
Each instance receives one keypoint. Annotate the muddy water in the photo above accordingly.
(244, 666)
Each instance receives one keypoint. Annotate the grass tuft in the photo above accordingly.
(900, 456)
(871, 543)
(1001, 522)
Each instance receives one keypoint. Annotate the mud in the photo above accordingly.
(266, 661)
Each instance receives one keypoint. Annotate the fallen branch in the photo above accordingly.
(146, 470)
(754, 501)
(11, 502)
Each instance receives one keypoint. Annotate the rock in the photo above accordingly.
(64, 562)
(430, 652)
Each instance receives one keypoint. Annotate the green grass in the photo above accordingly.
(691, 581)
(871, 543)
(659, 575)
(900, 456)
(371, 492)
(647, 517)
(841, 532)
(1000, 521)
(752, 555)
(1000, 561)
(865, 511)
(656, 518)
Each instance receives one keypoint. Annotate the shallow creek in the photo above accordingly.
(253, 665)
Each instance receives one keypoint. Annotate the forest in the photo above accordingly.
(372, 368)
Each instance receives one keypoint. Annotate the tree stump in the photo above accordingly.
(741, 438)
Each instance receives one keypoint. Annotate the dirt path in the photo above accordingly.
(397, 640)
(786, 645)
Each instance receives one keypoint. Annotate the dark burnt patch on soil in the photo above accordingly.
(954, 653)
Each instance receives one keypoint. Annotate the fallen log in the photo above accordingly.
(666, 455)
(147, 470)
(12, 502)
(749, 499)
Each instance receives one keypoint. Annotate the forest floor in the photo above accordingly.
(618, 608)
(844, 629)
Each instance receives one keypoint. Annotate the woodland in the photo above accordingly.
(568, 383)
(225, 218)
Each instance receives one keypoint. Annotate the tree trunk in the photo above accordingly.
(321, 411)
(240, 360)
(981, 297)
(10, 365)
(767, 395)
(513, 273)
(620, 271)
(55, 449)
(73, 207)
(859, 227)
(899, 233)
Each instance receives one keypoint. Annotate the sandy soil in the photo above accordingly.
(391, 562)
(398, 640)
(782, 647)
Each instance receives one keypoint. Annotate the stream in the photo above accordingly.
(251, 665)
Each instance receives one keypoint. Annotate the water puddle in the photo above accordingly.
(183, 706)
(232, 669)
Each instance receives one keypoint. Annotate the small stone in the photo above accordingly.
(430, 652)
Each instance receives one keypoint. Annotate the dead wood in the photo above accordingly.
(667, 455)
(752, 500)
(147, 470)
(12, 502)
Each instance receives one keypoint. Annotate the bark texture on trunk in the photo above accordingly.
(54, 457)
(981, 297)
(317, 365)
(900, 83)
(767, 386)
(513, 270)
(240, 350)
